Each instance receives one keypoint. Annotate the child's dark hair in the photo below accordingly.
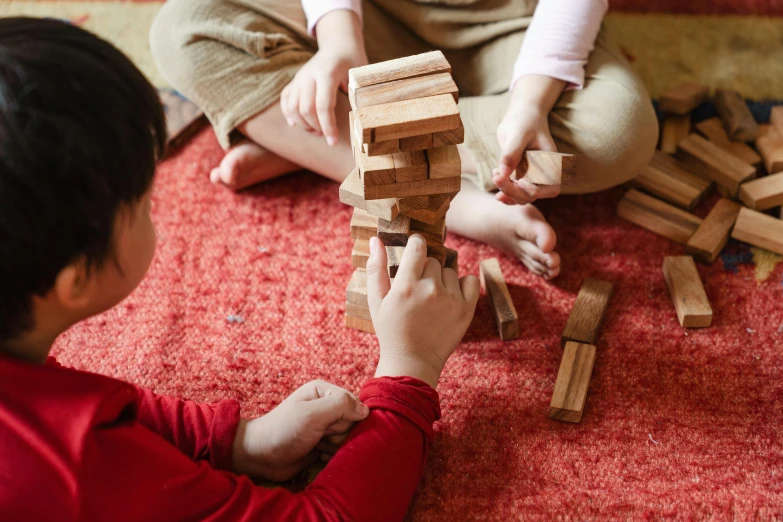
(81, 130)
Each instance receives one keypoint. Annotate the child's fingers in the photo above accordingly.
(413, 259)
(511, 154)
(284, 105)
(307, 105)
(538, 191)
(511, 189)
(293, 109)
(378, 282)
(450, 280)
(325, 102)
(470, 287)
(322, 413)
(504, 199)
(341, 427)
(432, 271)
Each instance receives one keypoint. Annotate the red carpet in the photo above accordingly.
(245, 299)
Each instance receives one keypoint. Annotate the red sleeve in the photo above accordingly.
(130, 473)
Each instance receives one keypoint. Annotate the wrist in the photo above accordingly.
(341, 31)
(239, 458)
(401, 365)
(536, 93)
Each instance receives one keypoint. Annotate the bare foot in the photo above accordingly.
(518, 230)
(247, 164)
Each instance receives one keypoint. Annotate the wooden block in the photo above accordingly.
(358, 311)
(683, 98)
(407, 67)
(713, 233)
(444, 162)
(550, 168)
(363, 225)
(408, 189)
(763, 193)
(588, 313)
(375, 170)
(673, 129)
(360, 253)
(395, 233)
(410, 166)
(428, 209)
(352, 193)
(499, 299)
(770, 146)
(405, 89)
(416, 143)
(759, 230)
(670, 181)
(573, 380)
(392, 121)
(776, 118)
(690, 301)
(451, 137)
(767, 129)
(726, 169)
(452, 259)
(712, 129)
(370, 149)
(735, 115)
(356, 291)
(394, 256)
(434, 233)
(658, 216)
(358, 323)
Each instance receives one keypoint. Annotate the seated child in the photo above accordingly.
(80, 132)
(275, 72)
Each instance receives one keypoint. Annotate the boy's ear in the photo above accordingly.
(72, 286)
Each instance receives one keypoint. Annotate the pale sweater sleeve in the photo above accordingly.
(559, 40)
(316, 9)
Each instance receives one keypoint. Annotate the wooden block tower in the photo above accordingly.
(405, 127)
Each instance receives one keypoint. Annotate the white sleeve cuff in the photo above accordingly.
(317, 9)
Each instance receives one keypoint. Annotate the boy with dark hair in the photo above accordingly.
(80, 133)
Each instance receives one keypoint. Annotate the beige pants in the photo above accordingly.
(234, 57)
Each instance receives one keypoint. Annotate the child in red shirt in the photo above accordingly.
(80, 133)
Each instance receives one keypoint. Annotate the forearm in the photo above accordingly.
(341, 28)
(536, 92)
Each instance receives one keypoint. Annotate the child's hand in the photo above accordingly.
(314, 419)
(421, 318)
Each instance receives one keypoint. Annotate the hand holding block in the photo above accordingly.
(352, 194)
(407, 67)
(683, 98)
(588, 312)
(657, 216)
(363, 225)
(550, 168)
(735, 115)
(726, 169)
(713, 233)
(405, 89)
(759, 230)
(690, 300)
(763, 193)
(573, 380)
(392, 121)
(499, 299)
(444, 162)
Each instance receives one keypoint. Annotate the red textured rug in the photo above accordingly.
(245, 299)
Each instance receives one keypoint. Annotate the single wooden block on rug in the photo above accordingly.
(550, 168)
(726, 169)
(713, 233)
(375, 170)
(352, 194)
(356, 291)
(713, 130)
(735, 115)
(573, 380)
(444, 162)
(360, 253)
(392, 121)
(499, 299)
(405, 89)
(683, 98)
(770, 146)
(433, 233)
(759, 230)
(451, 137)
(394, 256)
(410, 166)
(673, 129)
(687, 292)
(429, 209)
(416, 143)
(364, 225)
(409, 189)
(668, 179)
(588, 313)
(407, 67)
(763, 193)
(658, 216)
(395, 233)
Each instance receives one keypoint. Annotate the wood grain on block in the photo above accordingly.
(410, 166)
(392, 121)
(735, 115)
(352, 194)
(763, 193)
(683, 98)
(712, 129)
(394, 256)
(766, 129)
(658, 216)
(588, 312)
(407, 67)
(363, 225)
(375, 170)
(667, 179)
(396, 232)
(414, 188)
(770, 146)
(428, 209)
(726, 169)
(452, 259)
(673, 129)
(450, 137)
(405, 89)
(759, 230)
(444, 162)
(416, 143)
(362, 312)
(776, 118)
(713, 233)
(358, 323)
(371, 149)
(434, 233)
(550, 168)
(356, 291)
(499, 299)
(687, 293)
(573, 380)
(360, 253)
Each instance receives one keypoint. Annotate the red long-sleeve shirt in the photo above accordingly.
(80, 446)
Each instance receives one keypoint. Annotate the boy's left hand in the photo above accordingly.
(313, 420)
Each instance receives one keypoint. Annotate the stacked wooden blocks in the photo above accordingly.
(405, 127)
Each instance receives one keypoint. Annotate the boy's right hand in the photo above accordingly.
(422, 317)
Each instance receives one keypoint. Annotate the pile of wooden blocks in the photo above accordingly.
(405, 127)
(684, 171)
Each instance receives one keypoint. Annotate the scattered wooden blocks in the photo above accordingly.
(392, 121)
(550, 168)
(658, 216)
(360, 253)
(668, 179)
(683, 98)
(770, 146)
(428, 209)
(405, 89)
(690, 301)
(763, 193)
(451, 137)
(726, 169)
(409, 189)
(499, 299)
(713, 233)
(776, 118)
(735, 115)
(588, 313)
(408, 67)
(352, 194)
(573, 380)
(712, 129)
(395, 233)
(363, 225)
(673, 129)
(766, 129)
(759, 230)
(444, 162)
(410, 166)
